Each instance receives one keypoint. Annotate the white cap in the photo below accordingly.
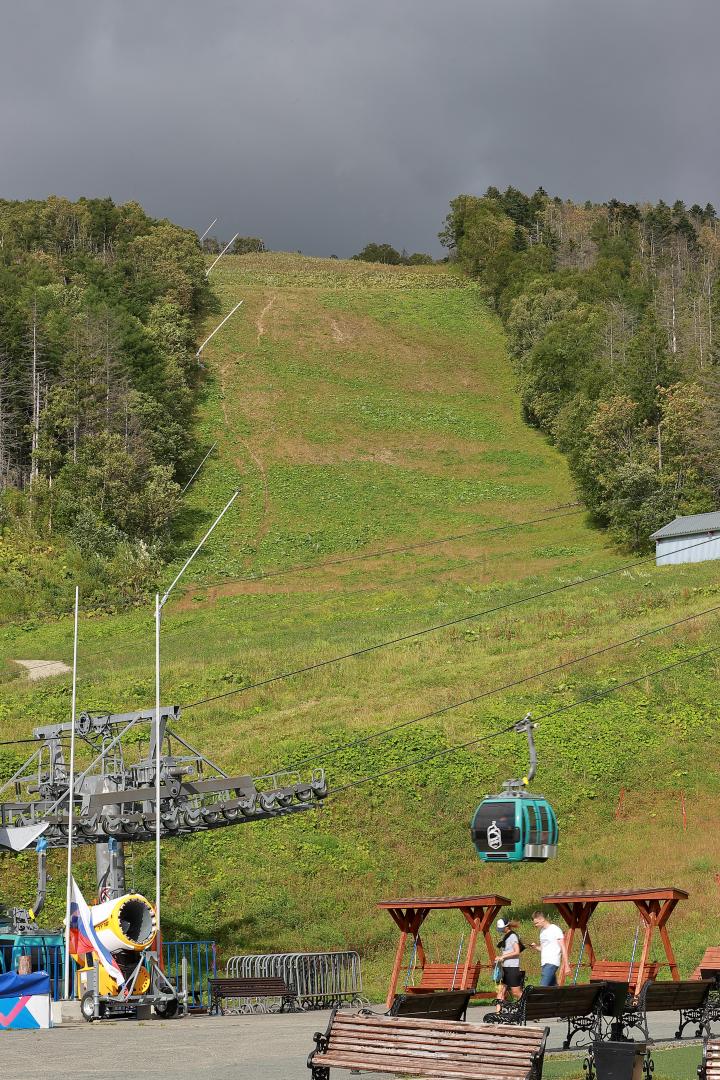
(501, 924)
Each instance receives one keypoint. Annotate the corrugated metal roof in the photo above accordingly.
(689, 526)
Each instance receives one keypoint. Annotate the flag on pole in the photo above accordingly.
(84, 937)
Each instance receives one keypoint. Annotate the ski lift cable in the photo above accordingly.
(598, 696)
(263, 575)
(354, 743)
(317, 665)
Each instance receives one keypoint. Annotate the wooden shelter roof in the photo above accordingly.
(431, 903)
(670, 893)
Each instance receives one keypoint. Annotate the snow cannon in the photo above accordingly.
(125, 923)
(121, 928)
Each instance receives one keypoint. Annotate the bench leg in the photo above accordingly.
(319, 1072)
(589, 1067)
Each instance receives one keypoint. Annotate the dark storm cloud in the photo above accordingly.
(322, 124)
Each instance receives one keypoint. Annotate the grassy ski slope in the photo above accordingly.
(361, 408)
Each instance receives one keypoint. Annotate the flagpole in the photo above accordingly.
(71, 794)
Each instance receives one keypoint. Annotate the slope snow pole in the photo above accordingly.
(159, 605)
(218, 327)
(213, 222)
(71, 799)
(227, 246)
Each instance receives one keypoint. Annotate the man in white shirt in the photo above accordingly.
(552, 949)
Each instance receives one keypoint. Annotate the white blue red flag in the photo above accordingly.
(84, 937)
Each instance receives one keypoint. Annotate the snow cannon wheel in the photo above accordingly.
(166, 1008)
(87, 1006)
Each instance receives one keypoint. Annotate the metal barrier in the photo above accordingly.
(201, 959)
(49, 958)
(200, 955)
(319, 980)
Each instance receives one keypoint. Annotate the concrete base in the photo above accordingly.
(69, 1012)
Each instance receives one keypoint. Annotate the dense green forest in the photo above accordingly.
(613, 317)
(98, 305)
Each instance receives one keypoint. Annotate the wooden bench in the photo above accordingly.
(445, 977)
(612, 971)
(225, 987)
(442, 1004)
(710, 1068)
(709, 965)
(688, 996)
(581, 1006)
(441, 1049)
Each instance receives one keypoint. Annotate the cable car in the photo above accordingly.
(516, 826)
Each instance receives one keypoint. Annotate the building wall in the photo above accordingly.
(680, 549)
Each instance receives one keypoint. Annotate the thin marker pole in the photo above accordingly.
(159, 605)
(213, 222)
(227, 246)
(187, 562)
(199, 466)
(158, 612)
(71, 805)
(218, 327)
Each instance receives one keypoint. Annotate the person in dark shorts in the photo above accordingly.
(509, 949)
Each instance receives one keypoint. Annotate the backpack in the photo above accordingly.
(501, 943)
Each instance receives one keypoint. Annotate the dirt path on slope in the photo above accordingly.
(261, 317)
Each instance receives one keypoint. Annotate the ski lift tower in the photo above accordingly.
(113, 797)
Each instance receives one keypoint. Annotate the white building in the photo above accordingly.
(688, 539)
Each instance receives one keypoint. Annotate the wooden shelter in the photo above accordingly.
(409, 914)
(655, 907)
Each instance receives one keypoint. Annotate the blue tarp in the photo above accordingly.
(14, 985)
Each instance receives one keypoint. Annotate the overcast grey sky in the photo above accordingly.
(323, 124)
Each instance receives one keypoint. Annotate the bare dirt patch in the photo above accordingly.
(43, 669)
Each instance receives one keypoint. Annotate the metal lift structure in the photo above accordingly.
(114, 795)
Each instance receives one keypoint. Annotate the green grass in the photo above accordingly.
(358, 408)
(675, 1064)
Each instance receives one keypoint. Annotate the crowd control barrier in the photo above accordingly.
(319, 980)
(201, 959)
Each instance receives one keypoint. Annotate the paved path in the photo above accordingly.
(261, 1047)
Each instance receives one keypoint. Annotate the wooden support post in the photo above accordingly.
(470, 955)
(648, 913)
(396, 968)
(665, 913)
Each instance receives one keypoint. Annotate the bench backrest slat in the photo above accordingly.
(690, 994)
(448, 977)
(620, 971)
(236, 987)
(561, 1001)
(436, 1048)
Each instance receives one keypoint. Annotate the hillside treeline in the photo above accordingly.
(613, 318)
(97, 304)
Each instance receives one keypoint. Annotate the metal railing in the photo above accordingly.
(201, 959)
(318, 980)
(49, 958)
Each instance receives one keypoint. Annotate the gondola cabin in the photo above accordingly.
(518, 828)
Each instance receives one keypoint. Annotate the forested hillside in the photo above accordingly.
(98, 305)
(613, 318)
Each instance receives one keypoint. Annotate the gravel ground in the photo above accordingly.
(260, 1047)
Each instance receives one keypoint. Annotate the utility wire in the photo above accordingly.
(433, 629)
(503, 731)
(18, 742)
(263, 575)
(499, 689)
